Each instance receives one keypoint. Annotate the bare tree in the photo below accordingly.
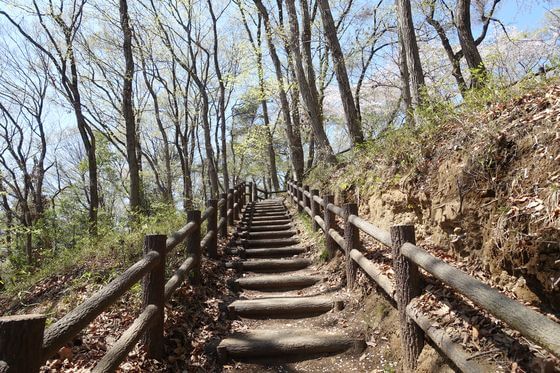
(307, 88)
(221, 97)
(257, 50)
(468, 44)
(24, 140)
(128, 111)
(350, 111)
(411, 55)
(64, 60)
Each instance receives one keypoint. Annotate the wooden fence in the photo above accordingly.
(406, 287)
(25, 344)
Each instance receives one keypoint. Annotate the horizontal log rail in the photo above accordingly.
(151, 268)
(271, 191)
(531, 324)
(207, 213)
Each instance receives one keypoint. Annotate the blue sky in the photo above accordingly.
(525, 15)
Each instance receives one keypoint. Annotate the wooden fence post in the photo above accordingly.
(21, 343)
(306, 200)
(193, 246)
(299, 192)
(153, 287)
(250, 191)
(291, 189)
(407, 285)
(255, 193)
(223, 215)
(236, 203)
(328, 217)
(230, 207)
(212, 225)
(352, 239)
(243, 196)
(315, 209)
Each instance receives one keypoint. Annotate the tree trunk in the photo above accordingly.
(468, 45)
(408, 36)
(168, 184)
(292, 129)
(311, 153)
(266, 117)
(308, 94)
(405, 81)
(128, 111)
(454, 58)
(345, 90)
(221, 99)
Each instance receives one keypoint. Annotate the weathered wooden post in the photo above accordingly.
(243, 196)
(291, 191)
(352, 239)
(21, 343)
(255, 193)
(306, 200)
(407, 285)
(230, 207)
(212, 226)
(223, 215)
(193, 246)
(153, 287)
(315, 209)
(236, 203)
(299, 192)
(328, 217)
(250, 191)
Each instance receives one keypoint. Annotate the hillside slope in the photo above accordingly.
(481, 184)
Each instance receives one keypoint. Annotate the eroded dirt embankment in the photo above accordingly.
(486, 189)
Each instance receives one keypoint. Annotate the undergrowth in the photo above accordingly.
(94, 258)
(400, 151)
(316, 237)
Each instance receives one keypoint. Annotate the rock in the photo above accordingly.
(522, 291)
(65, 353)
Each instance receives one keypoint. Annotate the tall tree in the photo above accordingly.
(411, 54)
(128, 111)
(345, 90)
(221, 95)
(257, 50)
(24, 140)
(308, 93)
(64, 61)
(189, 64)
(468, 44)
(292, 129)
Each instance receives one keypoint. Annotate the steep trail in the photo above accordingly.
(280, 294)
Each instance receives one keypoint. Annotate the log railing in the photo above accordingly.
(25, 344)
(261, 194)
(405, 288)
